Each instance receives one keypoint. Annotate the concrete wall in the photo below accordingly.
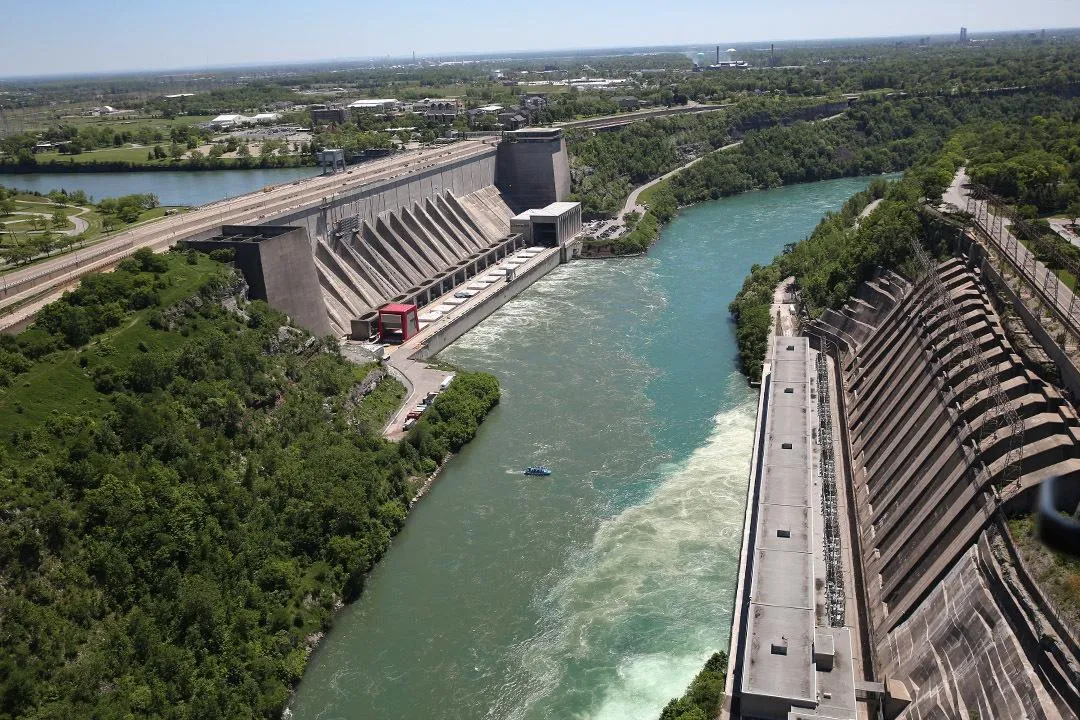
(1070, 377)
(533, 173)
(280, 270)
(927, 478)
(460, 178)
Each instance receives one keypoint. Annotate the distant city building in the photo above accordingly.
(376, 105)
(511, 120)
(329, 116)
(229, 120)
(331, 159)
(963, 34)
(730, 63)
(443, 110)
(266, 118)
(476, 115)
(532, 104)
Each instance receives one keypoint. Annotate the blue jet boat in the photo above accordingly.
(540, 470)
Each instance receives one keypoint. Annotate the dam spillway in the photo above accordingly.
(949, 625)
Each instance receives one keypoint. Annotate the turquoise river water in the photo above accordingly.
(598, 592)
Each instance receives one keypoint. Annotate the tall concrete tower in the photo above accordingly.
(532, 169)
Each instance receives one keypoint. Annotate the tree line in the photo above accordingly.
(189, 493)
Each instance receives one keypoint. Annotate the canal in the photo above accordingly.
(172, 187)
(596, 593)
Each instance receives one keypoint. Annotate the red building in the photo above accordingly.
(397, 322)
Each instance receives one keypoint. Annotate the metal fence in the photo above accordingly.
(1021, 243)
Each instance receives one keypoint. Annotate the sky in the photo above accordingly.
(83, 36)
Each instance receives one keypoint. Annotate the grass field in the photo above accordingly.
(20, 227)
(1057, 573)
(59, 383)
(125, 154)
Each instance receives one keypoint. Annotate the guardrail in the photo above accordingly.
(1010, 235)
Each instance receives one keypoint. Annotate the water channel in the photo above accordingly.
(596, 593)
(173, 187)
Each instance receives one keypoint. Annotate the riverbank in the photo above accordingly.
(600, 591)
(719, 174)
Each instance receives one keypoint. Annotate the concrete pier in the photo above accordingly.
(786, 659)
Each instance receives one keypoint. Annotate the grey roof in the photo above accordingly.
(779, 674)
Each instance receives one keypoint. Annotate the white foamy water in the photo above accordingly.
(672, 556)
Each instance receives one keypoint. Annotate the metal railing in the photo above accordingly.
(1019, 242)
(1001, 413)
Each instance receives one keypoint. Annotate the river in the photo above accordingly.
(598, 592)
(173, 187)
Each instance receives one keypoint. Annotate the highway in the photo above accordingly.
(24, 292)
(610, 121)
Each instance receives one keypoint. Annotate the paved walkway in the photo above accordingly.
(80, 224)
(632, 203)
(419, 377)
(867, 210)
(1062, 226)
(1045, 282)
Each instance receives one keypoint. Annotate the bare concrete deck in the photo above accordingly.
(419, 377)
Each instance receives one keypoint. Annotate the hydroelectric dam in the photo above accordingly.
(332, 250)
(896, 438)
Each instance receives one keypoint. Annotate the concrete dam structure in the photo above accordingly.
(393, 229)
(949, 624)
(411, 237)
(929, 478)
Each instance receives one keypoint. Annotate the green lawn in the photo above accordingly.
(125, 154)
(93, 233)
(58, 383)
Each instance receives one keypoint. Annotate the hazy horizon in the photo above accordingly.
(130, 37)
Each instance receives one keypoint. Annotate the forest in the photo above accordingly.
(875, 136)
(189, 488)
(606, 166)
